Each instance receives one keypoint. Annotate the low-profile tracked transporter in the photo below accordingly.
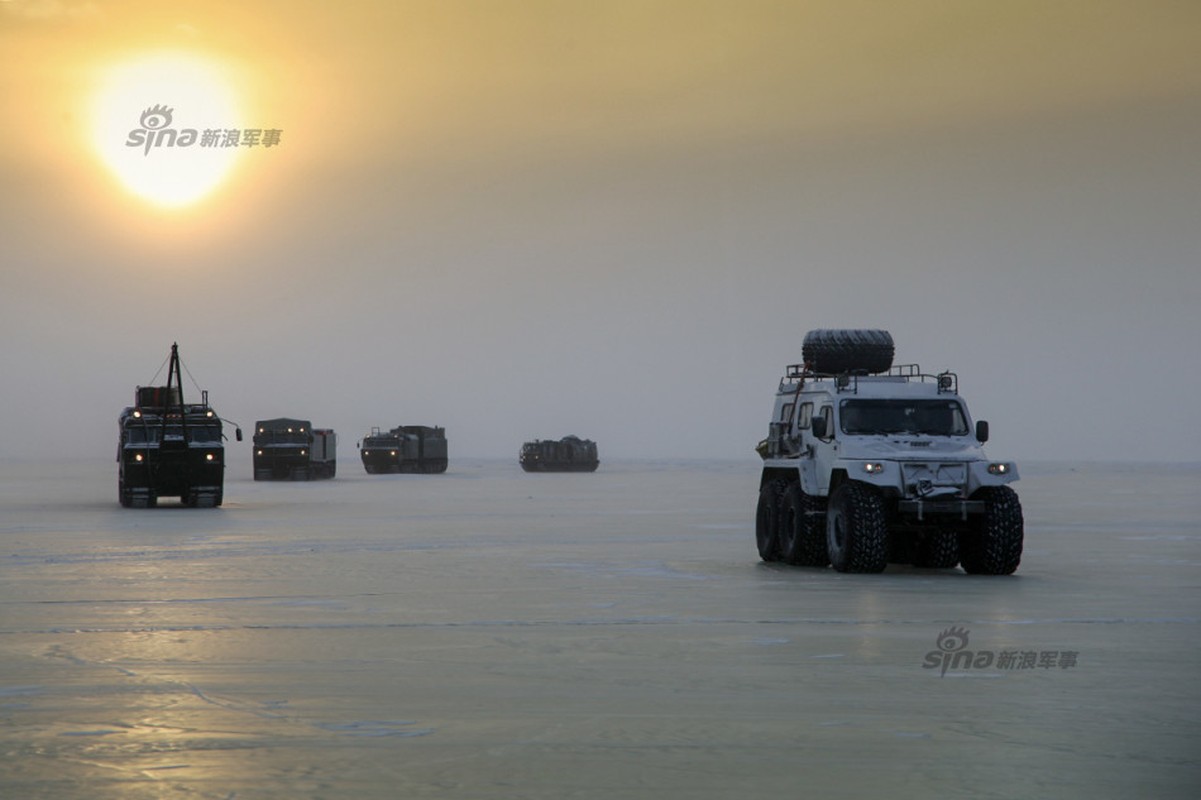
(867, 463)
(170, 448)
(569, 454)
(405, 448)
(292, 449)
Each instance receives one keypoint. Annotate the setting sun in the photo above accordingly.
(159, 126)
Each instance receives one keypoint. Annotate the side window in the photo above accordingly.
(786, 412)
(806, 416)
(827, 413)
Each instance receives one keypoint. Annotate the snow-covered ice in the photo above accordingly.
(489, 633)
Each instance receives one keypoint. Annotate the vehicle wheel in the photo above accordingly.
(802, 537)
(856, 535)
(767, 520)
(938, 549)
(993, 545)
(848, 350)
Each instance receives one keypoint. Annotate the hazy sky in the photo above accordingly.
(614, 219)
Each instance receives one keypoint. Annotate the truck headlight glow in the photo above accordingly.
(873, 467)
(137, 457)
(137, 414)
(259, 453)
(208, 456)
(304, 452)
(998, 469)
(393, 453)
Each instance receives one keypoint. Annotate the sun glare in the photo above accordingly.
(156, 124)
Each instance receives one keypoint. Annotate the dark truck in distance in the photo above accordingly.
(405, 448)
(170, 448)
(292, 449)
(569, 454)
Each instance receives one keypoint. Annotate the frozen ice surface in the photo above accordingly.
(495, 634)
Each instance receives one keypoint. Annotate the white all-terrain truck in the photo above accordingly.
(867, 464)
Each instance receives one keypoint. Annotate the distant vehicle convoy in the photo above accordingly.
(292, 449)
(405, 448)
(866, 464)
(569, 454)
(170, 448)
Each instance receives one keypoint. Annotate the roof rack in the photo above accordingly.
(796, 374)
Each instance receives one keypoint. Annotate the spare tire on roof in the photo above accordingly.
(836, 350)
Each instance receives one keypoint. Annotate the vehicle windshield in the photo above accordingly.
(280, 436)
(939, 417)
(152, 434)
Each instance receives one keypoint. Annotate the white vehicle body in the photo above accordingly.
(916, 463)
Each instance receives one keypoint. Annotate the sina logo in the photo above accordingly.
(156, 131)
(951, 652)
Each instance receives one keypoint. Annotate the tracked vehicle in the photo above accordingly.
(867, 463)
(405, 448)
(569, 454)
(292, 449)
(170, 448)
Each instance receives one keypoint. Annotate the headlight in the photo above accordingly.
(392, 453)
(137, 414)
(873, 467)
(259, 453)
(137, 457)
(304, 452)
(998, 469)
(208, 456)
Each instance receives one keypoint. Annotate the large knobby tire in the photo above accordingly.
(938, 549)
(767, 520)
(993, 545)
(856, 532)
(832, 351)
(802, 537)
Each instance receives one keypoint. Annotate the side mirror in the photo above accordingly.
(819, 427)
(981, 431)
(238, 434)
